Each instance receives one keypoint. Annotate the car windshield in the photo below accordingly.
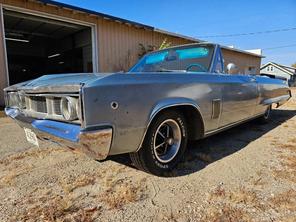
(178, 59)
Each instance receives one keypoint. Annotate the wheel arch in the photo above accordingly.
(188, 108)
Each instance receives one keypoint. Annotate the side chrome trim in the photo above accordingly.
(216, 108)
(156, 111)
(212, 132)
(276, 99)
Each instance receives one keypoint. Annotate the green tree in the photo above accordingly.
(165, 44)
(294, 65)
(149, 48)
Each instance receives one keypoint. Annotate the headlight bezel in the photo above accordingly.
(16, 99)
(69, 108)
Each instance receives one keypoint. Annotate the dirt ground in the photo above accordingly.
(247, 173)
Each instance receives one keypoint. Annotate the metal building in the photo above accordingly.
(40, 37)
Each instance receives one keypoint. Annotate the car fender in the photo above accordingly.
(168, 103)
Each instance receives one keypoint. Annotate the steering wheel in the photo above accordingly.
(198, 65)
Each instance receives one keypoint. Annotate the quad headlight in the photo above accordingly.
(70, 108)
(16, 99)
(13, 99)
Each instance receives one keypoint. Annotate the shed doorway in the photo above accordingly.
(36, 46)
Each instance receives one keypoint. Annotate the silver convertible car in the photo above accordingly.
(169, 97)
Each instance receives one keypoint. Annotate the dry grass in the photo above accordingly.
(291, 147)
(240, 205)
(57, 208)
(239, 196)
(225, 213)
(225, 205)
(287, 171)
(2, 114)
(289, 161)
(67, 206)
(284, 201)
(9, 178)
(169, 216)
(33, 153)
(293, 140)
(259, 182)
(246, 197)
(121, 192)
(82, 181)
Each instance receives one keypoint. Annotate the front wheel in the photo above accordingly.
(164, 144)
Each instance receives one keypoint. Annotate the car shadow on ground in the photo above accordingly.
(206, 151)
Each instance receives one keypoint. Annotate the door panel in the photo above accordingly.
(239, 98)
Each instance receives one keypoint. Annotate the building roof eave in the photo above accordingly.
(278, 66)
(179, 35)
(241, 51)
(75, 8)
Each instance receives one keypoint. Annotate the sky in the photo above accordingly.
(201, 19)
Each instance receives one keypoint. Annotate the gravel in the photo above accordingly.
(243, 174)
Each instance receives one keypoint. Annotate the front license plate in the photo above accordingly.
(31, 137)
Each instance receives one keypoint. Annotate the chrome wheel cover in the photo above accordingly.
(167, 140)
(267, 113)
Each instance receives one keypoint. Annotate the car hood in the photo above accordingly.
(57, 83)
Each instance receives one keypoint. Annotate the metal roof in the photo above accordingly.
(178, 35)
(64, 5)
(242, 51)
(140, 25)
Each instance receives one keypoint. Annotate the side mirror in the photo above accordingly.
(232, 68)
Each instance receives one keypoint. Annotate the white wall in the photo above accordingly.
(275, 72)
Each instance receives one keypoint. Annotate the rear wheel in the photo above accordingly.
(267, 115)
(164, 144)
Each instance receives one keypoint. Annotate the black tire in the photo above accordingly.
(148, 158)
(267, 115)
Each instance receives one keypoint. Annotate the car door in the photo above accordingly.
(239, 98)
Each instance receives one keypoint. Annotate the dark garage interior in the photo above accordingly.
(36, 46)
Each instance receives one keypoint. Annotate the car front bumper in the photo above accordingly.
(95, 143)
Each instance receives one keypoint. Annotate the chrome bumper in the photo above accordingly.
(95, 143)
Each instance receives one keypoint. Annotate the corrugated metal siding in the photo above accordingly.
(243, 61)
(118, 43)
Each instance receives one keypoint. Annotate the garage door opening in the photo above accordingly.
(36, 46)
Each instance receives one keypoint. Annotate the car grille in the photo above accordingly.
(38, 104)
(44, 106)
(57, 106)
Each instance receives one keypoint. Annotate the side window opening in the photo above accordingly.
(219, 67)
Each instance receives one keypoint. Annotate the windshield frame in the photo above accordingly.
(210, 67)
